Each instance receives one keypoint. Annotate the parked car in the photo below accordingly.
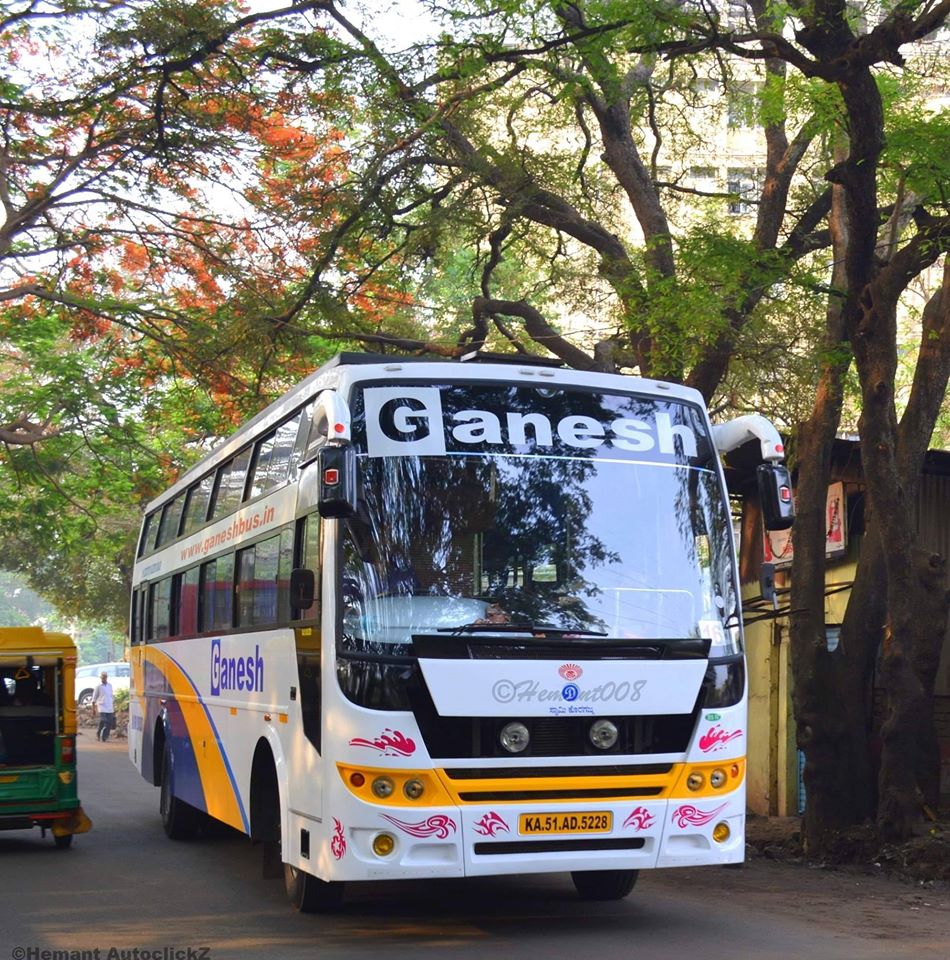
(87, 679)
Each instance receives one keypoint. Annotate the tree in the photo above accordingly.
(554, 140)
(144, 252)
(568, 76)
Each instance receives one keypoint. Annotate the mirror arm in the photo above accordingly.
(333, 411)
(753, 426)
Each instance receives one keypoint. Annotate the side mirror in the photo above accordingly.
(303, 588)
(775, 495)
(336, 463)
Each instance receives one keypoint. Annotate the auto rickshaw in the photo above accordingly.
(38, 734)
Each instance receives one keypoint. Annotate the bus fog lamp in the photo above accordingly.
(413, 789)
(514, 737)
(603, 734)
(717, 778)
(695, 781)
(721, 832)
(383, 844)
(383, 787)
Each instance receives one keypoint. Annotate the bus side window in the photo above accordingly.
(171, 519)
(260, 466)
(196, 504)
(257, 583)
(141, 597)
(216, 594)
(148, 531)
(188, 603)
(273, 457)
(160, 616)
(224, 592)
(303, 434)
(285, 564)
(229, 488)
(133, 620)
(308, 557)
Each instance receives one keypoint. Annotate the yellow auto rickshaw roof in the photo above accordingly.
(23, 641)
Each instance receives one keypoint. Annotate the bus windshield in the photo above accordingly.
(497, 508)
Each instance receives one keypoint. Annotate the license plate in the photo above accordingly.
(538, 824)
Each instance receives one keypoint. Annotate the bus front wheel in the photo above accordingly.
(180, 819)
(309, 894)
(604, 884)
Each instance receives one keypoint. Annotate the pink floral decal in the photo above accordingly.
(438, 825)
(491, 824)
(640, 819)
(390, 743)
(338, 843)
(688, 816)
(570, 671)
(715, 738)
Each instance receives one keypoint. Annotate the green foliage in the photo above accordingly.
(205, 203)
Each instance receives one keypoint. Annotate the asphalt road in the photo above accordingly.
(129, 893)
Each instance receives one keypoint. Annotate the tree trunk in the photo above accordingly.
(829, 687)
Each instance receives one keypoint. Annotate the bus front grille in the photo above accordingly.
(552, 784)
(556, 846)
(474, 737)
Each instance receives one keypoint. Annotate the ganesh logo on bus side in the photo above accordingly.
(409, 421)
(236, 673)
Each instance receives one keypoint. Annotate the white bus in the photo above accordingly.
(450, 619)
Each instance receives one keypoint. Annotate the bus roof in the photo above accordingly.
(21, 641)
(330, 374)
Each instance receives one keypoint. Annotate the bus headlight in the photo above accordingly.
(717, 778)
(514, 737)
(383, 787)
(603, 734)
(695, 781)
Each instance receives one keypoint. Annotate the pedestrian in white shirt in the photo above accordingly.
(103, 704)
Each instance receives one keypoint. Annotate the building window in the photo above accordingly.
(743, 105)
(704, 179)
(743, 187)
(739, 15)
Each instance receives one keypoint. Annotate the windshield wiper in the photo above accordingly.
(533, 629)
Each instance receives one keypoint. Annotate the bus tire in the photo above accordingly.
(309, 894)
(63, 842)
(604, 884)
(179, 819)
